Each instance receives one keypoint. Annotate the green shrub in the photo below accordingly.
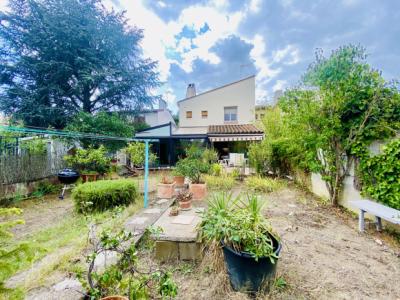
(235, 174)
(90, 160)
(264, 185)
(216, 169)
(104, 194)
(223, 182)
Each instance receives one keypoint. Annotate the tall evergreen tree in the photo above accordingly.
(59, 57)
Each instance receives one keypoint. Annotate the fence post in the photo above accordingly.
(146, 173)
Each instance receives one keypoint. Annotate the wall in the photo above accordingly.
(240, 94)
(350, 193)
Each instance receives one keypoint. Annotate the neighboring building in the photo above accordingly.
(260, 111)
(154, 117)
(222, 117)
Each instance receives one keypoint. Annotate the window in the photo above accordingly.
(204, 114)
(189, 114)
(230, 114)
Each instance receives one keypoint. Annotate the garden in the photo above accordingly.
(83, 217)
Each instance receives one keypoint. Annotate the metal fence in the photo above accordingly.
(18, 165)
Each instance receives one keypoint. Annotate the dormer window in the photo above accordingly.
(230, 114)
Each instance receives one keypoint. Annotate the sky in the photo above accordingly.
(212, 43)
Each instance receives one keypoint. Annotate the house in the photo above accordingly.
(152, 117)
(222, 117)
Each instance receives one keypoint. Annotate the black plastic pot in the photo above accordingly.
(248, 275)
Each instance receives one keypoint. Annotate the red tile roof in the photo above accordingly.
(234, 129)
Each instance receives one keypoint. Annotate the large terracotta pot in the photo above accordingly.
(199, 190)
(89, 177)
(179, 180)
(166, 190)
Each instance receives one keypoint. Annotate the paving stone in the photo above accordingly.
(184, 220)
(161, 201)
(178, 232)
(138, 221)
(68, 283)
(165, 250)
(189, 251)
(104, 260)
(152, 211)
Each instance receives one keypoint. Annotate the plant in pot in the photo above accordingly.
(184, 199)
(166, 188)
(90, 162)
(193, 168)
(250, 247)
(174, 211)
(178, 173)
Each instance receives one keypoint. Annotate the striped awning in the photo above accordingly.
(233, 138)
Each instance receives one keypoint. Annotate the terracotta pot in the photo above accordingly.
(179, 180)
(185, 205)
(166, 190)
(199, 190)
(114, 298)
(89, 177)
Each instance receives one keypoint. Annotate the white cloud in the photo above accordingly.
(255, 6)
(279, 85)
(289, 55)
(265, 72)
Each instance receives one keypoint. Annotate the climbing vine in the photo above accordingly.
(380, 174)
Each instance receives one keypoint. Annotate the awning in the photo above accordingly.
(233, 138)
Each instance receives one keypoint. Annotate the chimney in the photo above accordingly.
(191, 90)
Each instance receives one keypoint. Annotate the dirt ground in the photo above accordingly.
(323, 256)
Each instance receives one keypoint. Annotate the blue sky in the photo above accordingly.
(211, 43)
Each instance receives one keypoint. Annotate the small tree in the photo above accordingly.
(342, 105)
(90, 160)
(136, 153)
(102, 123)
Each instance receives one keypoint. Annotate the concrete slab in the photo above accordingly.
(184, 220)
(161, 201)
(137, 221)
(152, 211)
(178, 232)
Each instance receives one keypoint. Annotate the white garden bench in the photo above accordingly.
(378, 210)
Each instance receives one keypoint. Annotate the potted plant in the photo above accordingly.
(91, 162)
(179, 178)
(193, 168)
(250, 247)
(166, 188)
(184, 199)
(174, 211)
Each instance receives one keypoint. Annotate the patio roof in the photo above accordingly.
(233, 129)
(234, 132)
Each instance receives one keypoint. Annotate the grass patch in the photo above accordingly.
(222, 182)
(70, 238)
(263, 184)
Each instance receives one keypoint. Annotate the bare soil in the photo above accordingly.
(323, 256)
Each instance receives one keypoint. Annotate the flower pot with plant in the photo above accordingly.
(250, 247)
(184, 199)
(174, 211)
(91, 162)
(193, 168)
(166, 188)
(179, 178)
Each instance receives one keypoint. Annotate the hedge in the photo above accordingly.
(104, 194)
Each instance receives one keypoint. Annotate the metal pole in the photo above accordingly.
(146, 173)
